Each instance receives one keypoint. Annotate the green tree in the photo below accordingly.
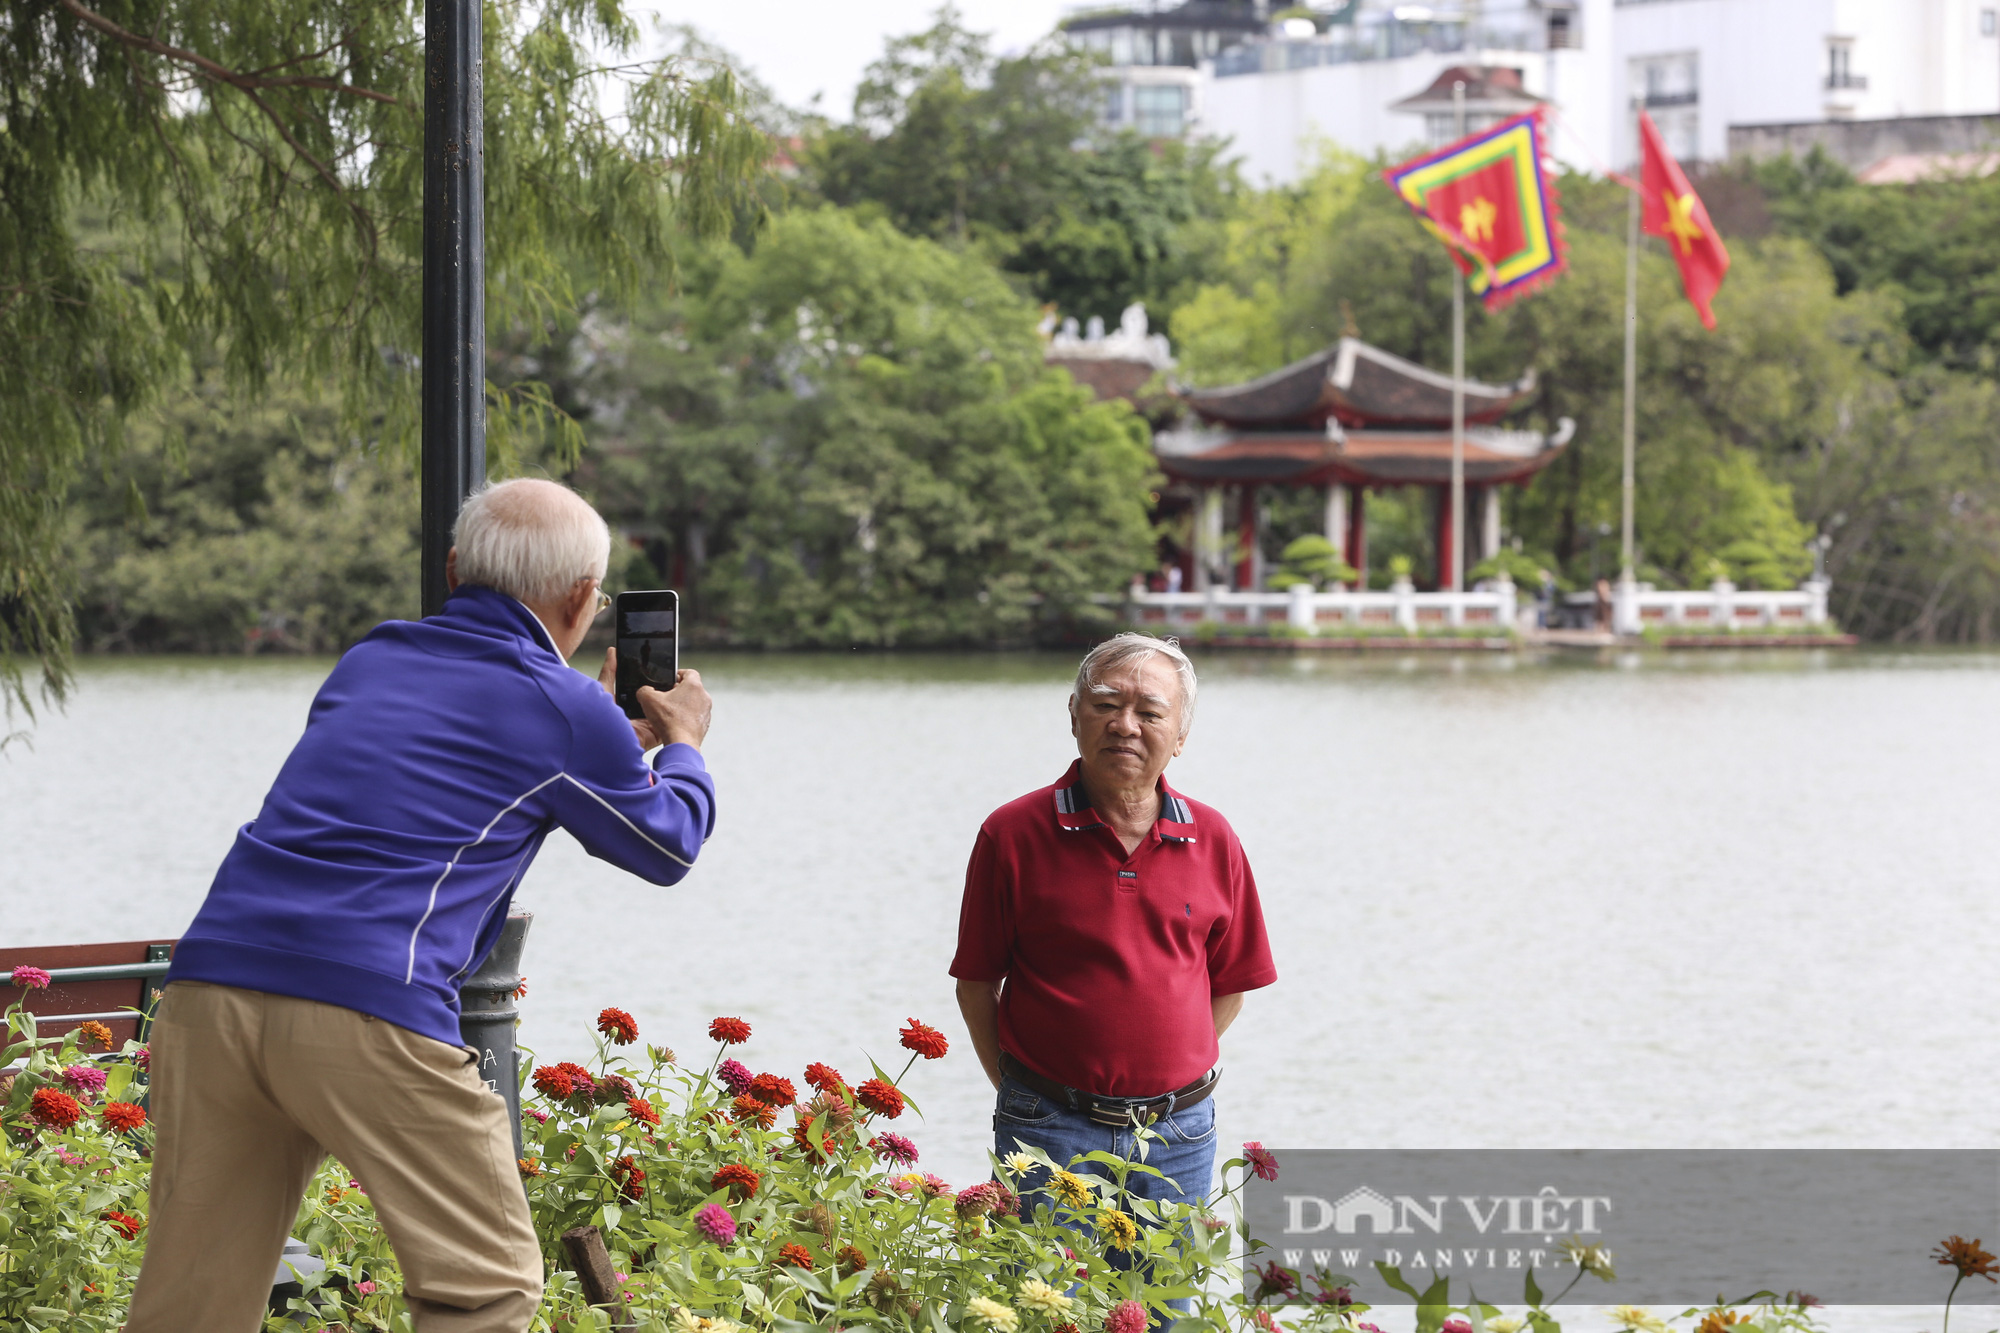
(256, 169)
(848, 437)
(1005, 155)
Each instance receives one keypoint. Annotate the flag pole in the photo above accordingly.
(1631, 352)
(1455, 567)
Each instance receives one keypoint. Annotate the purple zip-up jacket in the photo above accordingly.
(435, 759)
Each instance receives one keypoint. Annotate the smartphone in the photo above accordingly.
(649, 637)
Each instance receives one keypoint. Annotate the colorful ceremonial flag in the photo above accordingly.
(1668, 207)
(1487, 197)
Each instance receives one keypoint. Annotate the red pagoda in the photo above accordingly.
(1347, 419)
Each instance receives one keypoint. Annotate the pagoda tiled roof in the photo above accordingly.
(1357, 385)
(1384, 457)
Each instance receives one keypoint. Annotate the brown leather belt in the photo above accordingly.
(1112, 1110)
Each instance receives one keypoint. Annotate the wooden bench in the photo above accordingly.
(116, 984)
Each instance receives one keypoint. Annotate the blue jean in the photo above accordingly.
(1183, 1149)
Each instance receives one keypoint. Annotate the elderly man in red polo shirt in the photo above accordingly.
(1109, 930)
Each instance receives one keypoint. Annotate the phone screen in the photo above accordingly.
(649, 626)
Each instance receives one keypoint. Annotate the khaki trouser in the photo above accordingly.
(250, 1093)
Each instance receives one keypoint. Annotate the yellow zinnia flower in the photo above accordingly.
(1019, 1163)
(992, 1314)
(1036, 1294)
(1119, 1230)
(1070, 1188)
(1631, 1318)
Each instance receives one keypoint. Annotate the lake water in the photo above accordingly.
(1708, 901)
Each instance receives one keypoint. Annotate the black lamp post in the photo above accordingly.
(454, 346)
(454, 413)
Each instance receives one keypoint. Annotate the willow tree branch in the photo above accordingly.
(249, 83)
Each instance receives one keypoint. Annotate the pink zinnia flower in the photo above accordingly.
(143, 1057)
(1126, 1317)
(541, 1117)
(364, 1288)
(1262, 1160)
(735, 1076)
(68, 1158)
(30, 978)
(894, 1148)
(715, 1223)
(1455, 1325)
(84, 1080)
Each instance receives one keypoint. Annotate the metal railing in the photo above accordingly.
(1389, 41)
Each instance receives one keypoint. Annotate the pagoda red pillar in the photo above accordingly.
(1246, 539)
(1443, 543)
(1356, 553)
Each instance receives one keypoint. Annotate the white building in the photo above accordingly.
(1700, 66)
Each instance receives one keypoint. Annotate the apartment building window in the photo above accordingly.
(1560, 38)
(1840, 65)
(1669, 87)
(1989, 23)
(1159, 111)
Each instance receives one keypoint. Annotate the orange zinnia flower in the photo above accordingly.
(774, 1090)
(122, 1117)
(882, 1098)
(618, 1025)
(90, 1033)
(747, 1107)
(925, 1040)
(1968, 1257)
(793, 1255)
(642, 1111)
(737, 1178)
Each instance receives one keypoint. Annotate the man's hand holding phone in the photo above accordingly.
(673, 717)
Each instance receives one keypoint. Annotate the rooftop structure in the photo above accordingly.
(1705, 69)
(1347, 419)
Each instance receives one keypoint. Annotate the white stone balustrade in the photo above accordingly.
(1721, 605)
(1402, 608)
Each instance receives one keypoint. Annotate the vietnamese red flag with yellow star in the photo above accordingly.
(1669, 208)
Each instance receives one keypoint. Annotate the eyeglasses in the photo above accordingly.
(603, 602)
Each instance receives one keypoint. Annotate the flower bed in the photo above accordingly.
(727, 1199)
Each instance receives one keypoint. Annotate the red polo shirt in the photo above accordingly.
(1110, 959)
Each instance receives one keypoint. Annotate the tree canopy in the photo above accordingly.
(240, 180)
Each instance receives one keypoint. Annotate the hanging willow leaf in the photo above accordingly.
(248, 176)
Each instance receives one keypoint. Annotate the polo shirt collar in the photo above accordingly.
(1074, 812)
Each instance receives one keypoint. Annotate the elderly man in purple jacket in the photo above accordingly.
(312, 1007)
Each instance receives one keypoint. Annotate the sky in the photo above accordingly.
(802, 47)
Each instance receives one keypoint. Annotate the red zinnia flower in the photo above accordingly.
(554, 1082)
(729, 1031)
(124, 1224)
(122, 1117)
(1007, 1203)
(642, 1111)
(791, 1254)
(737, 1178)
(850, 1259)
(881, 1098)
(925, 1040)
(1262, 1160)
(52, 1109)
(770, 1088)
(826, 1151)
(521, 991)
(613, 1088)
(579, 1076)
(824, 1077)
(747, 1107)
(619, 1026)
(630, 1178)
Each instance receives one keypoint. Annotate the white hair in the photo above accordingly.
(530, 539)
(1119, 649)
